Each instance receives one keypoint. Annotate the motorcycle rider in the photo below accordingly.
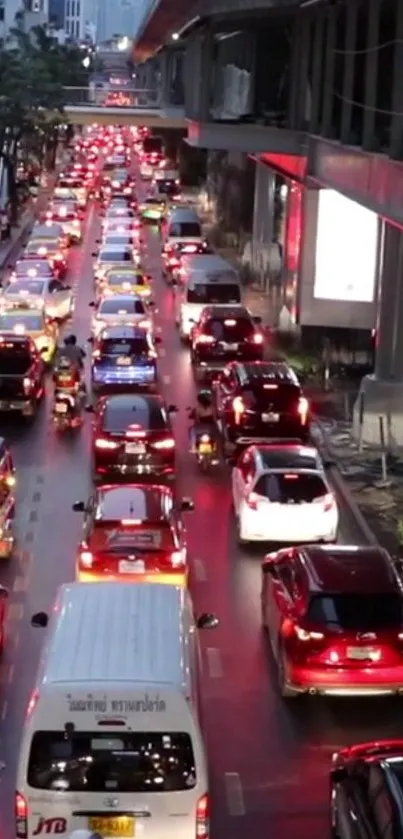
(203, 419)
(71, 356)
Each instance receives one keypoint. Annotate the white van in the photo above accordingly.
(112, 740)
(213, 282)
(183, 225)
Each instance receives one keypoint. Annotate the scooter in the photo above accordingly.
(66, 410)
(206, 450)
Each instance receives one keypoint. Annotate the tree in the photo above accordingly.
(34, 70)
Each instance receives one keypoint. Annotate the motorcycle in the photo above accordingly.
(206, 451)
(66, 410)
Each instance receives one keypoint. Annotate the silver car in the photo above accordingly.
(45, 293)
(121, 309)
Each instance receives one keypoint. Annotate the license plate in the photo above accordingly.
(123, 361)
(61, 408)
(361, 653)
(135, 448)
(230, 346)
(120, 827)
(136, 567)
(270, 417)
(205, 448)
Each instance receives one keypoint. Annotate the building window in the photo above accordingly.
(77, 28)
(67, 8)
(78, 12)
(73, 8)
(1, 14)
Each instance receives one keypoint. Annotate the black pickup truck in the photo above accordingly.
(22, 375)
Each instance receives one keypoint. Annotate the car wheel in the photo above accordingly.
(283, 688)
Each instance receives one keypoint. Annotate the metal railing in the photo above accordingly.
(126, 98)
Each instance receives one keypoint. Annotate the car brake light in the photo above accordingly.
(58, 257)
(178, 558)
(257, 338)
(238, 408)
(101, 443)
(400, 636)
(270, 387)
(165, 445)
(172, 262)
(205, 339)
(86, 559)
(42, 251)
(303, 408)
(303, 635)
(49, 215)
(27, 384)
(144, 324)
(252, 500)
(203, 818)
(21, 816)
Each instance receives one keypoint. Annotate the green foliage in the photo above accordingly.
(34, 69)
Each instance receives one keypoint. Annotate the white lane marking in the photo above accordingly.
(234, 794)
(214, 663)
(166, 380)
(4, 710)
(200, 571)
(20, 583)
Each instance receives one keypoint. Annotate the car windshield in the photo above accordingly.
(130, 306)
(111, 762)
(38, 247)
(273, 397)
(125, 279)
(116, 256)
(15, 359)
(28, 268)
(357, 612)
(185, 229)
(121, 210)
(123, 412)
(72, 183)
(119, 239)
(26, 287)
(20, 322)
(124, 349)
(291, 487)
(117, 537)
(229, 329)
(211, 293)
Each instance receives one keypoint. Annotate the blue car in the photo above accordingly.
(124, 359)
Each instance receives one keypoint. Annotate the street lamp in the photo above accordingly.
(175, 36)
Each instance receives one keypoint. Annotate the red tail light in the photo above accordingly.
(303, 409)
(304, 635)
(165, 445)
(86, 559)
(205, 339)
(203, 818)
(21, 816)
(101, 443)
(252, 500)
(257, 338)
(49, 215)
(27, 384)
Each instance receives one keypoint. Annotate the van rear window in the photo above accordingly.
(103, 761)
(211, 293)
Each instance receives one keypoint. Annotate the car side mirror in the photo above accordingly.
(172, 409)
(98, 241)
(94, 253)
(257, 320)
(338, 774)
(157, 340)
(89, 409)
(78, 507)
(186, 505)
(90, 340)
(92, 304)
(40, 619)
(207, 621)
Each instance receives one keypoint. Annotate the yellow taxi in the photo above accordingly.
(126, 282)
(152, 209)
(32, 322)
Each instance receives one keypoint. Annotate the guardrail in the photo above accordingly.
(112, 97)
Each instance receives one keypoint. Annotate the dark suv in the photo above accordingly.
(260, 401)
(223, 334)
(22, 375)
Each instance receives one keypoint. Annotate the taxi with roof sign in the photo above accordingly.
(125, 282)
(50, 250)
(133, 533)
(153, 209)
(22, 320)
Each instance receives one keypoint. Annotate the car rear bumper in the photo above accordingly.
(174, 578)
(145, 470)
(23, 406)
(346, 683)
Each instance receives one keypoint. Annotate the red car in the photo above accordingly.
(334, 618)
(133, 437)
(135, 533)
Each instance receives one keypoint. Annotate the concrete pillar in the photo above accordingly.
(317, 70)
(371, 76)
(396, 130)
(263, 218)
(328, 80)
(381, 394)
(204, 77)
(165, 84)
(189, 75)
(351, 11)
(299, 72)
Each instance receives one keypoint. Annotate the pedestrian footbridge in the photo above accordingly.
(124, 106)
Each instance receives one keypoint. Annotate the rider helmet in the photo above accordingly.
(70, 340)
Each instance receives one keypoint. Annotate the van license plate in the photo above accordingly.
(123, 361)
(361, 653)
(270, 417)
(61, 408)
(135, 448)
(120, 827)
(230, 346)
